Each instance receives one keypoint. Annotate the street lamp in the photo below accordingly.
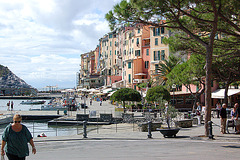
(173, 87)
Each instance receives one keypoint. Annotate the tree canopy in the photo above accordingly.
(126, 94)
(157, 94)
(199, 20)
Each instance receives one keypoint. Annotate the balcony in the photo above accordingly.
(140, 80)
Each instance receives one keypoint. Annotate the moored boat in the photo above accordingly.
(5, 118)
(31, 102)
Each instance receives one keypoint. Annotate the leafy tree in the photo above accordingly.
(190, 72)
(226, 71)
(126, 94)
(157, 94)
(200, 21)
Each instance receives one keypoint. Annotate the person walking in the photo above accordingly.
(8, 105)
(223, 118)
(237, 119)
(15, 139)
(218, 107)
(198, 113)
(12, 106)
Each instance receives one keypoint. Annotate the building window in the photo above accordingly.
(162, 40)
(110, 53)
(137, 53)
(137, 41)
(110, 43)
(156, 41)
(156, 31)
(130, 51)
(129, 78)
(115, 52)
(138, 30)
(147, 52)
(146, 64)
(156, 55)
(163, 55)
(162, 30)
(129, 65)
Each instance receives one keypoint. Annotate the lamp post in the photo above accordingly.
(173, 87)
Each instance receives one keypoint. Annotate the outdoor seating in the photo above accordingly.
(230, 123)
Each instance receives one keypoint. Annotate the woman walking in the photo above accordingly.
(15, 140)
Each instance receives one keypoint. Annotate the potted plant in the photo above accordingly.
(169, 113)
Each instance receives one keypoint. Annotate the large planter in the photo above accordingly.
(186, 123)
(166, 132)
(154, 126)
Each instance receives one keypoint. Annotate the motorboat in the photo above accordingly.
(52, 107)
(6, 118)
(31, 102)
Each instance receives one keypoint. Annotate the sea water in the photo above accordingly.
(38, 127)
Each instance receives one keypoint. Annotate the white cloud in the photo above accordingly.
(41, 40)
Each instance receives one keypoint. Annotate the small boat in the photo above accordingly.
(6, 118)
(31, 102)
(51, 107)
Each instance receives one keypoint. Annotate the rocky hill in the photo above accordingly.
(10, 80)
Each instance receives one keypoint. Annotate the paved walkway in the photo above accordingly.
(125, 141)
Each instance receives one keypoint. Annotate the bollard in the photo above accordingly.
(149, 129)
(210, 130)
(84, 129)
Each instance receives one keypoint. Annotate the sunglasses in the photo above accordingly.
(17, 121)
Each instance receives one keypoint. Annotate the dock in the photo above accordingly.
(40, 117)
(74, 122)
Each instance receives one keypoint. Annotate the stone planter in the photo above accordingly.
(154, 126)
(166, 132)
(186, 123)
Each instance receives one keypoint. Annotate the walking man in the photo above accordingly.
(223, 118)
(12, 106)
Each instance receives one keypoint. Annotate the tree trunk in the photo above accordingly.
(226, 93)
(208, 91)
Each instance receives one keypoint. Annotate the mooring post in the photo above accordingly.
(210, 130)
(149, 129)
(84, 129)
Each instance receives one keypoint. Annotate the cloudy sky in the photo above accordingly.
(41, 40)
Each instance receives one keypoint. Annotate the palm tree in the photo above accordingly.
(165, 67)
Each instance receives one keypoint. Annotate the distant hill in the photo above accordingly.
(10, 80)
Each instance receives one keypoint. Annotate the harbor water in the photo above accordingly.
(37, 127)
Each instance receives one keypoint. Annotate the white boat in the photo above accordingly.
(31, 102)
(6, 118)
(51, 107)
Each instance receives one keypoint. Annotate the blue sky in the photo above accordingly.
(41, 40)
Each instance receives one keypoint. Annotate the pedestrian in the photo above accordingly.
(100, 101)
(218, 107)
(198, 113)
(237, 119)
(15, 139)
(8, 105)
(90, 101)
(12, 106)
(223, 118)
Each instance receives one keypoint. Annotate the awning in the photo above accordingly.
(109, 95)
(101, 94)
(107, 90)
(140, 74)
(219, 93)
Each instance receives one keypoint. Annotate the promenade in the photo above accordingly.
(131, 144)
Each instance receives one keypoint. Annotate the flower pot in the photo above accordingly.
(169, 132)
